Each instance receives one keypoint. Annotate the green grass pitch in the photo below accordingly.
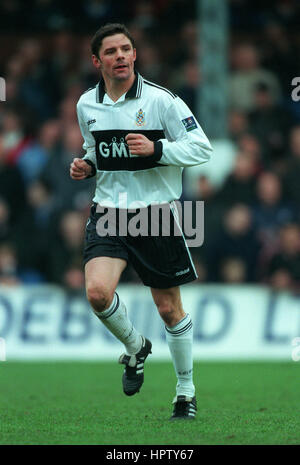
(83, 403)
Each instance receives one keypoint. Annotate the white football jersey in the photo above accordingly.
(130, 181)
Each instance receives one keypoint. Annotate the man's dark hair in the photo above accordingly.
(109, 30)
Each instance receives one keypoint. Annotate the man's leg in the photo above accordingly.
(102, 275)
(179, 335)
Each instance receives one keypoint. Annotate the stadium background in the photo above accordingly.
(245, 303)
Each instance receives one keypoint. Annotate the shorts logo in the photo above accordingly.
(179, 273)
(140, 118)
(189, 123)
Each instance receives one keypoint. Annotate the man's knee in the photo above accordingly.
(99, 297)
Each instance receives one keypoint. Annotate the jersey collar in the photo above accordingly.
(135, 90)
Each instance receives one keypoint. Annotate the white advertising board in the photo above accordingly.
(229, 322)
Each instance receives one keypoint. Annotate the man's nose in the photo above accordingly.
(120, 54)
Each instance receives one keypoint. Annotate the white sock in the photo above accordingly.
(180, 341)
(117, 322)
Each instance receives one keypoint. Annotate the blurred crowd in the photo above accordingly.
(252, 218)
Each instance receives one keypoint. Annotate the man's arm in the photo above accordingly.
(82, 168)
(186, 143)
(139, 144)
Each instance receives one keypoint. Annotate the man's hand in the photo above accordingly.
(139, 145)
(79, 169)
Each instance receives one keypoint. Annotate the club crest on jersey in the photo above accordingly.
(140, 118)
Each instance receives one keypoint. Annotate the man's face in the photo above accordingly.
(117, 57)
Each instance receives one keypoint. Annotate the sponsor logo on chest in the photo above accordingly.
(117, 148)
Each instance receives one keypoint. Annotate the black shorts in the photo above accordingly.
(161, 261)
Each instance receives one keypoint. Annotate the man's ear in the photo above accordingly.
(96, 61)
(134, 54)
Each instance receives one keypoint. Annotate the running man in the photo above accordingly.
(138, 137)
